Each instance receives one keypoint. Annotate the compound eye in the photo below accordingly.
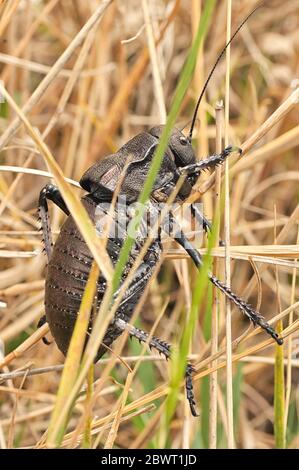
(183, 141)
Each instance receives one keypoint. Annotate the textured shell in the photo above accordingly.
(68, 272)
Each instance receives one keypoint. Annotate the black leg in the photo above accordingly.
(41, 322)
(248, 310)
(199, 216)
(52, 193)
(163, 348)
(209, 163)
(206, 224)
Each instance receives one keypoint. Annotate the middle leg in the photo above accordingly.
(247, 309)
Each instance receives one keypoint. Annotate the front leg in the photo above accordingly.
(163, 348)
(52, 193)
(210, 162)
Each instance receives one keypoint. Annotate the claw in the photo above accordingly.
(193, 409)
(275, 336)
(234, 148)
(41, 322)
(45, 341)
(189, 390)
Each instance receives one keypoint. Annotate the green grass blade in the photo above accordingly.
(179, 357)
(180, 92)
(279, 394)
(56, 430)
(86, 442)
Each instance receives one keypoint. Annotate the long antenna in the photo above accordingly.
(214, 67)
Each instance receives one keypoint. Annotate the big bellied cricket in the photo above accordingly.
(69, 260)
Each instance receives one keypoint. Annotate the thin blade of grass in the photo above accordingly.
(279, 388)
(181, 89)
(213, 408)
(86, 443)
(179, 357)
(227, 230)
(279, 428)
(117, 419)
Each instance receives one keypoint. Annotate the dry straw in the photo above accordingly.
(81, 88)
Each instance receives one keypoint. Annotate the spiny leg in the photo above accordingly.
(52, 193)
(200, 218)
(163, 348)
(209, 163)
(248, 310)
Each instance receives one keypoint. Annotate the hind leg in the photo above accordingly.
(250, 312)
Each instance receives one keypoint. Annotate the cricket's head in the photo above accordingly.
(179, 144)
(126, 170)
(181, 151)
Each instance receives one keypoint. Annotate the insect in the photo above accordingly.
(70, 260)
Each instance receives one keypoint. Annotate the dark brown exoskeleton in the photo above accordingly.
(70, 259)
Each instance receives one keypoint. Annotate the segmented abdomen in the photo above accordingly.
(66, 279)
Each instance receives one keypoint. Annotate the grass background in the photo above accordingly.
(110, 89)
